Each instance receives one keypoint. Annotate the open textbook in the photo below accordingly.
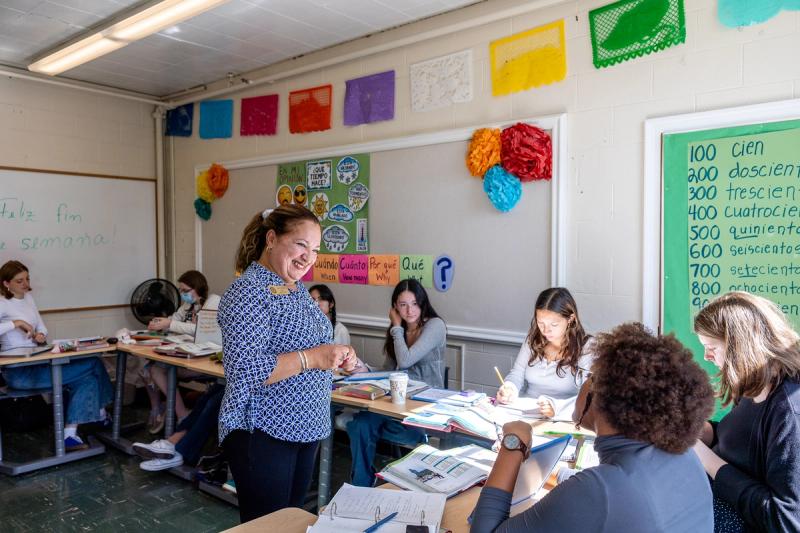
(189, 349)
(482, 419)
(354, 509)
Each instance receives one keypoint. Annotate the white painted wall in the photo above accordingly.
(47, 127)
(716, 67)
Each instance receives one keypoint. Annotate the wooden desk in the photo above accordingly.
(198, 364)
(294, 520)
(60, 456)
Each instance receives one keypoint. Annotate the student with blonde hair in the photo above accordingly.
(752, 454)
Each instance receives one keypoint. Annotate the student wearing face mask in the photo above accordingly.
(193, 287)
(553, 362)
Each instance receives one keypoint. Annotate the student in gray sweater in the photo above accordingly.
(647, 401)
(753, 454)
(415, 342)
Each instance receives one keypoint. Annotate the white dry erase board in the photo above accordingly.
(423, 201)
(88, 240)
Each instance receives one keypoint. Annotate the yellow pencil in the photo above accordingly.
(499, 376)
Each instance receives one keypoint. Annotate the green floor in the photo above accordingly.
(111, 493)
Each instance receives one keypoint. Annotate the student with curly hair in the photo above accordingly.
(552, 364)
(752, 454)
(647, 401)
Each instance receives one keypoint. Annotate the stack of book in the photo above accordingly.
(79, 345)
(189, 349)
(459, 399)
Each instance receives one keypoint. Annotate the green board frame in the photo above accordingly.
(675, 296)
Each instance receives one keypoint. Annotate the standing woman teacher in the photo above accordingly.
(278, 362)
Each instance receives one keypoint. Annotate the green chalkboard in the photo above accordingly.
(731, 221)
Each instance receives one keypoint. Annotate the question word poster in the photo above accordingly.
(388, 269)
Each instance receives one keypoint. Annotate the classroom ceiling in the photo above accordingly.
(236, 37)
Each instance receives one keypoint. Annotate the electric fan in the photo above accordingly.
(154, 298)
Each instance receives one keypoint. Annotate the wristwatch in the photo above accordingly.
(514, 443)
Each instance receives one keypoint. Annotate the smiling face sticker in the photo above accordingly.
(300, 195)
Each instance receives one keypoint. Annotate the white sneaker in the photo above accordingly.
(154, 465)
(158, 449)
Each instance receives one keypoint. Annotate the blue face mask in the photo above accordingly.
(187, 297)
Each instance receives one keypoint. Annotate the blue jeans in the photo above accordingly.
(200, 423)
(364, 431)
(86, 380)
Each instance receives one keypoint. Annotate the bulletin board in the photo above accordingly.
(729, 187)
(423, 201)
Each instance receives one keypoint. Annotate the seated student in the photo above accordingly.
(415, 342)
(646, 400)
(186, 444)
(21, 325)
(553, 362)
(752, 454)
(193, 287)
(327, 303)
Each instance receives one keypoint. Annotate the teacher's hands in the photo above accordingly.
(332, 356)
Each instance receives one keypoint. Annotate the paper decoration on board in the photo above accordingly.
(310, 109)
(336, 190)
(503, 189)
(632, 28)
(354, 269)
(418, 267)
(202, 208)
(735, 13)
(442, 81)
(326, 269)
(308, 276)
(179, 121)
(527, 152)
(216, 119)
(529, 59)
(369, 99)
(444, 270)
(210, 184)
(384, 270)
(484, 151)
(259, 115)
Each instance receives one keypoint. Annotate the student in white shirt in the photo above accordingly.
(553, 362)
(193, 287)
(327, 303)
(21, 325)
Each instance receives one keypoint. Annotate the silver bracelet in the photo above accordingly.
(305, 360)
(303, 367)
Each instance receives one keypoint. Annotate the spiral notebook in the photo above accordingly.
(354, 509)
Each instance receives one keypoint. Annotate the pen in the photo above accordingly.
(499, 376)
(381, 522)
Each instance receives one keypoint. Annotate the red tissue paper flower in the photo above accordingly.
(218, 180)
(527, 152)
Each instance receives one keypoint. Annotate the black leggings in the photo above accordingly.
(270, 474)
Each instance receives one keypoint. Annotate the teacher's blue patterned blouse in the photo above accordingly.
(257, 325)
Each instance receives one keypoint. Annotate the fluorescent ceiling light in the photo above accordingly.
(132, 28)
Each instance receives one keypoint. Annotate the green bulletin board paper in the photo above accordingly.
(336, 189)
(418, 267)
(678, 307)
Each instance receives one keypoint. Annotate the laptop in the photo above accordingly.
(537, 468)
(27, 351)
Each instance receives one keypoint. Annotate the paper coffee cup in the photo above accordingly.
(398, 383)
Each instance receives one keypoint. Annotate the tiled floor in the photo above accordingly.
(110, 493)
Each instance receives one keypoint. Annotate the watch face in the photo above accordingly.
(511, 442)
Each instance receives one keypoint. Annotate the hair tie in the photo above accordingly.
(266, 213)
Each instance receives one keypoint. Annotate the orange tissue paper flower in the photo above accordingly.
(218, 180)
(203, 190)
(484, 151)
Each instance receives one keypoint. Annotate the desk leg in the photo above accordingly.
(58, 408)
(172, 382)
(325, 464)
(119, 391)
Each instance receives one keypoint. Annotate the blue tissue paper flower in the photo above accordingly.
(503, 188)
(202, 208)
